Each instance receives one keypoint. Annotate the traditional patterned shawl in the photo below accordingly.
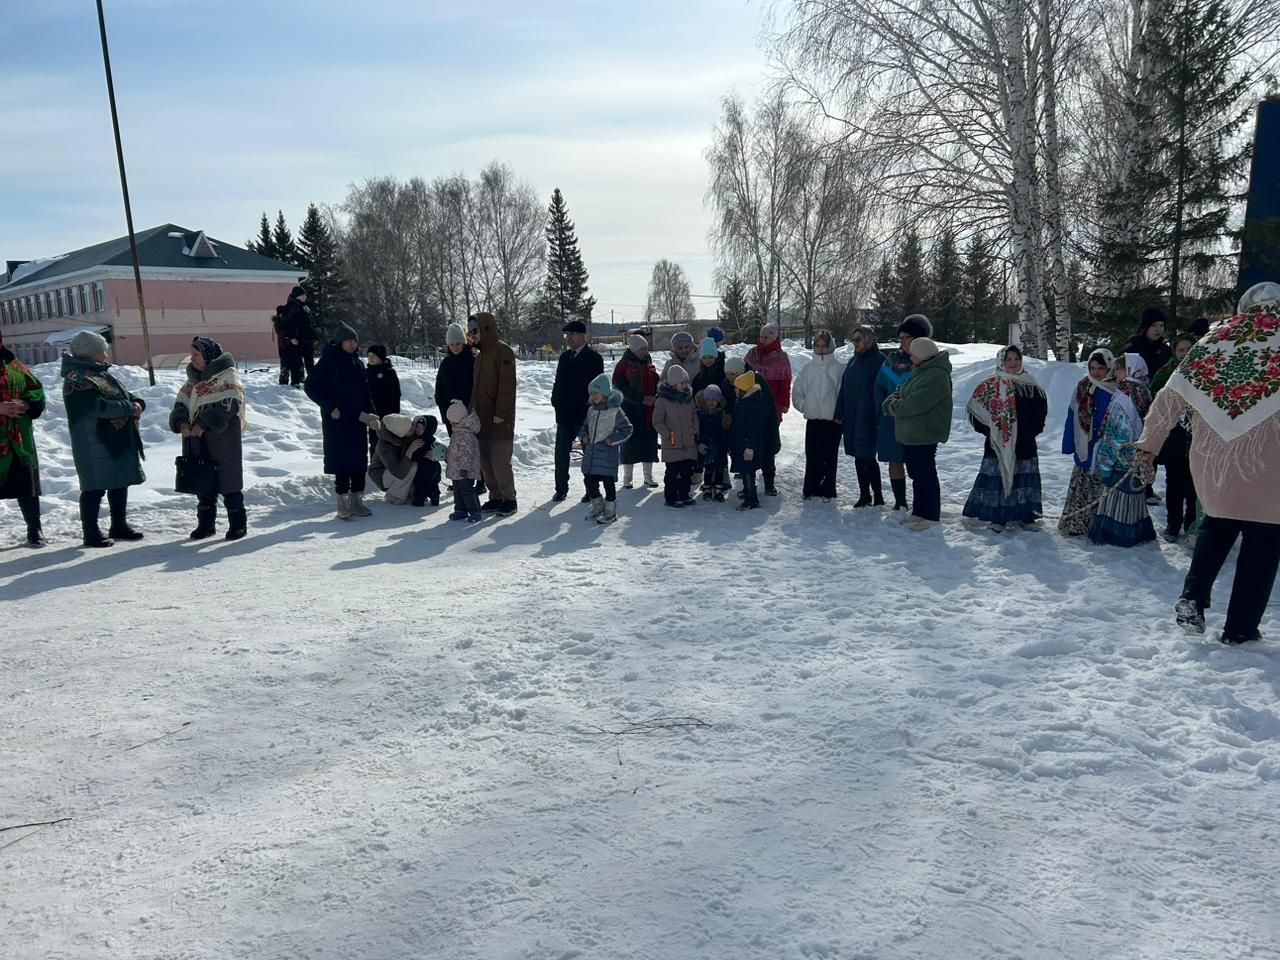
(16, 438)
(1120, 430)
(994, 406)
(1231, 377)
(219, 387)
(1082, 400)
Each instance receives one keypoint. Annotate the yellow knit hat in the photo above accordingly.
(745, 381)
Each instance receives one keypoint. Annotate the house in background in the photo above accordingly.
(192, 284)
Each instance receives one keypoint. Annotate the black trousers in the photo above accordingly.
(349, 484)
(465, 498)
(926, 492)
(1180, 488)
(821, 456)
(594, 482)
(677, 480)
(1255, 568)
(91, 503)
(426, 482)
(751, 495)
(770, 469)
(566, 433)
(233, 501)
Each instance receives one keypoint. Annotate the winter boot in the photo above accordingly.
(864, 484)
(358, 509)
(120, 529)
(93, 535)
(648, 475)
(237, 523)
(899, 492)
(628, 473)
(608, 512)
(597, 509)
(205, 522)
(344, 506)
(30, 507)
(877, 490)
(1189, 615)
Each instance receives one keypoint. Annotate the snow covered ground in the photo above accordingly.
(397, 738)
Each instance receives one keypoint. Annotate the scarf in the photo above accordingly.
(1082, 400)
(1120, 430)
(1136, 368)
(993, 405)
(221, 387)
(1231, 377)
(16, 439)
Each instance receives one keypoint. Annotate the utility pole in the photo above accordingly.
(124, 189)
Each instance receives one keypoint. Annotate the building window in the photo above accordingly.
(60, 302)
(31, 313)
(48, 305)
(99, 297)
(84, 300)
(4, 312)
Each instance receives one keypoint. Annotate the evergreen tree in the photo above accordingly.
(946, 289)
(735, 315)
(264, 245)
(282, 238)
(909, 279)
(980, 314)
(886, 297)
(565, 289)
(318, 255)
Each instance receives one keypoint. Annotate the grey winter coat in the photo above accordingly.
(221, 441)
(389, 458)
(675, 418)
(607, 423)
(105, 442)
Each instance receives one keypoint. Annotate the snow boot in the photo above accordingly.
(358, 509)
(877, 490)
(597, 509)
(458, 515)
(506, 508)
(648, 475)
(237, 524)
(344, 506)
(1189, 615)
(628, 473)
(1236, 638)
(864, 484)
(206, 518)
(899, 493)
(489, 506)
(118, 500)
(30, 507)
(475, 518)
(609, 512)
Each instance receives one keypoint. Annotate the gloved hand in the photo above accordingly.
(372, 421)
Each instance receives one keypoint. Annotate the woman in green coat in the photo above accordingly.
(21, 401)
(105, 443)
(921, 409)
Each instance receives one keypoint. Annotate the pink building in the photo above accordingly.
(192, 284)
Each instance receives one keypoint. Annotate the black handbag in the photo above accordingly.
(197, 474)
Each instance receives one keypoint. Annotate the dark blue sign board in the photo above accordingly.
(1260, 240)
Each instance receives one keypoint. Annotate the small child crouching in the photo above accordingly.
(713, 442)
(747, 436)
(464, 462)
(603, 432)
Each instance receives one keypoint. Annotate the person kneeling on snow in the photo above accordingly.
(603, 432)
(394, 469)
(464, 462)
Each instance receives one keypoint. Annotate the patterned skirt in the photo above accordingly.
(1081, 505)
(1122, 519)
(987, 500)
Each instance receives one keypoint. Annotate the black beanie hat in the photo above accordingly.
(297, 292)
(378, 349)
(343, 332)
(916, 325)
(1150, 316)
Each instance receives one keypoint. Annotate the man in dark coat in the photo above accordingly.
(338, 386)
(578, 366)
(284, 348)
(1149, 342)
(493, 398)
(298, 328)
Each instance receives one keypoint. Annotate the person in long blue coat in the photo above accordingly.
(893, 373)
(338, 386)
(859, 413)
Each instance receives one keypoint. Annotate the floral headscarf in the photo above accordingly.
(994, 406)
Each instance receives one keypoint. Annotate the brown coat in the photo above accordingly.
(675, 418)
(493, 391)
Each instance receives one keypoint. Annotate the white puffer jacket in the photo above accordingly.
(816, 388)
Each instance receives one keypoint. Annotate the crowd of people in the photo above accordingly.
(1208, 414)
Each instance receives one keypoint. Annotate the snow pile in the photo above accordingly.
(801, 732)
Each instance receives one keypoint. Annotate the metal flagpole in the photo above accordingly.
(124, 188)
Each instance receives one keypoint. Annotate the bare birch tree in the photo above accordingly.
(669, 300)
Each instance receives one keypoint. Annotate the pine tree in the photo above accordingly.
(909, 279)
(946, 290)
(565, 289)
(980, 314)
(264, 245)
(318, 255)
(734, 314)
(886, 297)
(282, 238)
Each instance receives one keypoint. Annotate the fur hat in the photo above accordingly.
(922, 348)
(681, 339)
(734, 366)
(86, 344)
(600, 384)
(397, 424)
(708, 347)
(744, 381)
(378, 350)
(916, 325)
(344, 332)
(455, 334)
(712, 393)
(677, 375)
(636, 343)
(457, 412)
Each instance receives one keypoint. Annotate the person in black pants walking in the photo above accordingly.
(578, 366)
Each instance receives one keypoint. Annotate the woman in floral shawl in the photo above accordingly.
(1088, 409)
(21, 401)
(1009, 408)
(1121, 519)
(637, 380)
(1230, 385)
(209, 413)
(1132, 377)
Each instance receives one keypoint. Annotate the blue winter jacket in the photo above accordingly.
(752, 415)
(600, 459)
(712, 435)
(856, 405)
(888, 449)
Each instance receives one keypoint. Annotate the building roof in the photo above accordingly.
(167, 246)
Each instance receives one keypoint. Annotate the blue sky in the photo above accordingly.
(230, 107)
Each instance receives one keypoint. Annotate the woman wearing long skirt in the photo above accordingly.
(1088, 409)
(1122, 519)
(1009, 408)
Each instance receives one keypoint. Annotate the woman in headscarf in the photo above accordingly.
(893, 373)
(1088, 409)
(1230, 385)
(1175, 455)
(209, 414)
(1121, 519)
(1132, 378)
(21, 401)
(1009, 408)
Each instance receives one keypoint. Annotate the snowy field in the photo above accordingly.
(398, 738)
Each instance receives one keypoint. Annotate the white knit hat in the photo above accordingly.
(86, 344)
(636, 343)
(397, 424)
(455, 334)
